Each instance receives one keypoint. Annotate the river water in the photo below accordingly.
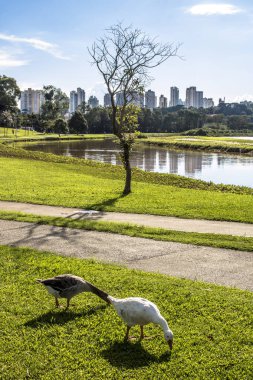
(215, 167)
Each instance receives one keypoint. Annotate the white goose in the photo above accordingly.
(68, 286)
(139, 311)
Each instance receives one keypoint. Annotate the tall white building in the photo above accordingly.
(194, 98)
(190, 100)
(199, 99)
(163, 103)
(76, 98)
(150, 99)
(80, 96)
(174, 96)
(72, 101)
(31, 101)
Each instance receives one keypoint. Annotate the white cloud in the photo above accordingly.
(7, 60)
(97, 90)
(213, 9)
(36, 44)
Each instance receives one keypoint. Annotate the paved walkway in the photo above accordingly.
(220, 266)
(214, 265)
(171, 223)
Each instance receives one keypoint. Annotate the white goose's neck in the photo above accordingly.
(164, 325)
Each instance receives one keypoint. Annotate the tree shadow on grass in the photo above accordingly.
(128, 355)
(100, 206)
(61, 317)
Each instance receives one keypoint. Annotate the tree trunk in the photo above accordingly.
(127, 166)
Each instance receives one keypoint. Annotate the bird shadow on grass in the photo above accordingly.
(61, 317)
(128, 355)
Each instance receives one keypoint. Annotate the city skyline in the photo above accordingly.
(45, 43)
(31, 100)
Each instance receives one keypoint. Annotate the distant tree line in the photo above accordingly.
(170, 120)
(224, 119)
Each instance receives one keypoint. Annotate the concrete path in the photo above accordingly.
(171, 223)
(220, 266)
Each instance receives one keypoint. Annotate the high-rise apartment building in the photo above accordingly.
(93, 101)
(31, 101)
(190, 100)
(76, 98)
(107, 100)
(199, 99)
(163, 103)
(72, 101)
(174, 96)
(119, 99)
(194, 98)
(150, 99)
(80, 96)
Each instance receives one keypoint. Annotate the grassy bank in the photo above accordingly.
(204, 239)
(211, 325)
(203, 143)
(47, 179)
(20, 135)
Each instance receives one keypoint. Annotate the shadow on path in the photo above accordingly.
(33, 234)
(94, 211)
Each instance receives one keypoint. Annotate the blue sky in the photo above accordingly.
(45, 42)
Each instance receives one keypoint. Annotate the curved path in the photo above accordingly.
(219, 266)
(166, 222)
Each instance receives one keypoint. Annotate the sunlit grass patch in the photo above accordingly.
(212, 325)
(54, 180)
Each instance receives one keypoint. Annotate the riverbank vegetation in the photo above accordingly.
(211, 324)
(240, 146)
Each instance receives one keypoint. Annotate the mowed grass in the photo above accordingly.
(12, 133)
(212, 325)
(205, 239)
(215, 144)
(25, 135)
(75, 183)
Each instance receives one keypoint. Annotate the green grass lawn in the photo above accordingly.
(216, 144)
(212, 325)
(55, 180)
(11, 133)
(7, 134)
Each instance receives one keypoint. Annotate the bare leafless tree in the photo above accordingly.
(124, 56)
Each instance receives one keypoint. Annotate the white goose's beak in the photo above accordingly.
(170, 343)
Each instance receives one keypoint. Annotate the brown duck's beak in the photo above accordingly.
(170, 343)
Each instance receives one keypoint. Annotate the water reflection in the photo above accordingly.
(218, 168)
